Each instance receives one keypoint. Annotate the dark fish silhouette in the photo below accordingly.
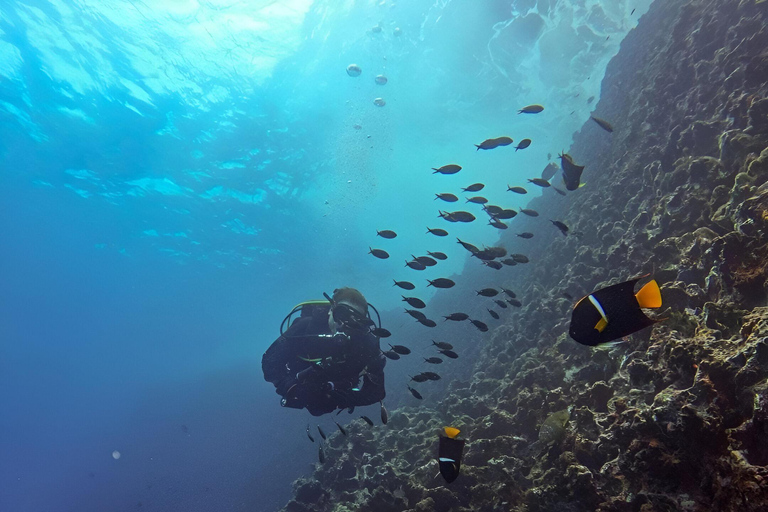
(496, 251)
(613, 312)
(523, 144)
(493, 264)
(449, 353)
(477, 200)
(367, 420)
(540, 182)
(381, 332)
(457, 317)
(389, 354)
(509, 261)
(449, 452)
(509, 293)
(431, 375)
(503, 141)
(441, 282)
(400, 349)
(487, 144)
(447, 216)
(525, 235)
(558, 190)
(531, 109)
(488, 292)
(481, 326)
(447, 169)
(491, 253)
(517, 190)
(427, 322)
(501, 303)
(433, 360)
(384, 414)
(320, 454)
(415, 393)
(310, 435)
(549, 171)
(341, 429)
(514, 302)
(414, 302)
(484, 255)
(448, 198)
(471, 248)
(437, 231)
(419, 378)
(520, 258)
(415, 265)
(322, 434)
(405, 285)
(529, 212)
(506, 214)
(475, 187)
(425, 260)
(492, 209)
(494, 314)
(442, 345)
(497, 224)
(438, 255)
(379, 253)
(462, 216)
(559, 225)
(418, 315)
(386, 233)
(602, 123)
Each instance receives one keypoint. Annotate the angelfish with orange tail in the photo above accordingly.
(613, 312)
(449, 453)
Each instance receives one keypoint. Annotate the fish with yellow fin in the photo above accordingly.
(449, 453)
(613, 312)
(571, 172)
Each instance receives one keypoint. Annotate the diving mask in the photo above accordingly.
(348, 317)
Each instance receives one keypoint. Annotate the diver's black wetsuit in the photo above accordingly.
(346, 363)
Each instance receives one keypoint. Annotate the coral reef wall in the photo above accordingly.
(676, 417)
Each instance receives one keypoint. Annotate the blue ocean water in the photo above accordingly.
(175, 176)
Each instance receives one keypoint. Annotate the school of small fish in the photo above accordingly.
(493, 257)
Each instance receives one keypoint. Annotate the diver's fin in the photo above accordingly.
(649, 295)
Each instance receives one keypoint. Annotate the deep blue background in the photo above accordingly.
(151, 242)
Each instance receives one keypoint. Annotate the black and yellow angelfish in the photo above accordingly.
(613, 312)
(449, 454)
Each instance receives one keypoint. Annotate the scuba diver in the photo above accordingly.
(329, 357)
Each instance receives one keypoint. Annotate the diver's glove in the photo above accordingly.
(293, 403)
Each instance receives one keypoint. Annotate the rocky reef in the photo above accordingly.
(676, 417)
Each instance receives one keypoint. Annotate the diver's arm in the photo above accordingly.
(281, 355)
(274, 360)
(372, 389)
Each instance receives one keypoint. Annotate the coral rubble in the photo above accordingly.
(675, 418)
